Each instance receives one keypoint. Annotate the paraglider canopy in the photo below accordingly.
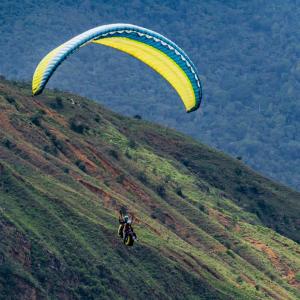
(152, 48)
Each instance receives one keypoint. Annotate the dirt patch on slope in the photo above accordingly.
(287, 273)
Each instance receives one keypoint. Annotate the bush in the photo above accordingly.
(81, 165)
(78, 125)
(202, 207)
(132, 144)
(10, 100)
(51, 150)
(158, 214)
(8, 143)
(161, 191)
(120, 179)
(36, 119)
(97, 119)
(128, 155)
(238, 172)
(57, 104)
(57, 143)
(138, 117)
(239, 280)
(185, 162)
(114, 154)
(142, 178)
(230, 253)
(178, 191)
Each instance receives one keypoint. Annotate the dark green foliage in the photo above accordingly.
(161, 190)
(97, 119)
(57, 104)
(132, 144)
(238, 171)
(202, 207)
(230, 253)
(159, 214)
(185, 162)
(78, 125)
(113, 153)
(239, 280)
(56, 145)
(81, 165)
(142, 178)
(8, 279)
(120, 178)
(128, 155)
(10, 100)
(8, 143)
(51, 149)
(179, 192)
(37, 117)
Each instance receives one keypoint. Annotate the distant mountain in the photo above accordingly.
(247, 53)
(67, 166)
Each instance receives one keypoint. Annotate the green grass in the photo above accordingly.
(201, 236)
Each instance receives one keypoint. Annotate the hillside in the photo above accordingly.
(247, 53)
(206, 223)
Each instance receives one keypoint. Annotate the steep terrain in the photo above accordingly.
(247, 54)
(206, 223)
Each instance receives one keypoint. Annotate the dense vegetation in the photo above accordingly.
(67, 165)
(246, 51)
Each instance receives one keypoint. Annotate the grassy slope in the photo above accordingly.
(67, 165)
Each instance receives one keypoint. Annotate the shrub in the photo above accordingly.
(78, 125)
(142, 178)
(8, 143)
(138, 117)
(158, 214)
(167, 178)
(97, 119)
(120, 178)
(57, 104)
(203, 208)
(128, 155)
(10, 99)
(238, 172)
(51, 150)
(132, 144)
(57, 143)
(178, 191)
(114, 154)
(161, 191)
(36, 119)
(185, 162)
(239, 280)
(81, 165)
(230, 253)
